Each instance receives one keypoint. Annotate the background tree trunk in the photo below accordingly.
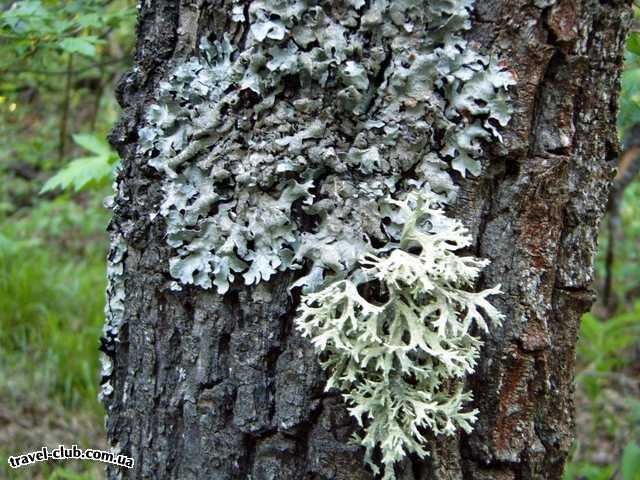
(221, 387)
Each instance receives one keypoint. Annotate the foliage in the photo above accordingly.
(626, 265)
(57, 72)
(35, 27)
(605, 358)
(51, 313)
(585, 470)
(401, 364)
(59, 63)
(600, 345)
(629, 106)
(631, 462)
(95, 170)
(629, 468)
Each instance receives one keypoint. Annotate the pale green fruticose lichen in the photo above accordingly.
(402, 364)
(282, 149)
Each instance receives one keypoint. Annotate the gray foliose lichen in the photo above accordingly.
(278, 149)
(114, 310)
(115, 306)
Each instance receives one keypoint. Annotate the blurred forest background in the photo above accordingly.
(59, 64)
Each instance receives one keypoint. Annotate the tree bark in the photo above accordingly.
(222, 387)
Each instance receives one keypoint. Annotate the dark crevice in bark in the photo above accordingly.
(249, 446)
(556, 63)
(378, 80)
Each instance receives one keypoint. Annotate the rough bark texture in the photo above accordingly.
(220, 387)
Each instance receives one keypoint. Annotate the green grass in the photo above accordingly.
(51, 303)
(52, 282)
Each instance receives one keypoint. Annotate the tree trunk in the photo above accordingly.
(207, 385)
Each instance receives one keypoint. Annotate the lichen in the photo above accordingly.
(411, 98)
(114, 309)
(283, 148)
(402, 364)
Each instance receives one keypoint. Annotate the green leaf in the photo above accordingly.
(91, 20)
(92, 143)
(79, 173)
(588, 471)
(85, 170)
(633, 43)
(82, 45)
(629, 113)
(631, 462)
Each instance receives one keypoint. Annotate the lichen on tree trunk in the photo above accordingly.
(221, 386)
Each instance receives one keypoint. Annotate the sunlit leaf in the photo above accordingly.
(633, 43)
(92, 143)
(78, 174)
(83, 171)
(82, 45)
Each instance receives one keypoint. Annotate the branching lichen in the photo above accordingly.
(284, 145)
(402, 364)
